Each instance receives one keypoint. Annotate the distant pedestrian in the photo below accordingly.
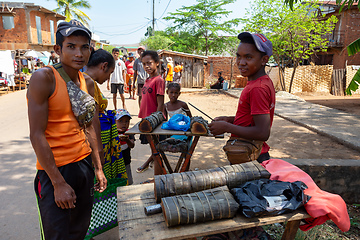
(117, 78)
(53, 58)
(140, 75)
(177, 73)
(169, 70)
(219, 83)
(130, 75)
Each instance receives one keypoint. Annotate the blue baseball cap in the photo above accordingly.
(261, 42)
(121, 113)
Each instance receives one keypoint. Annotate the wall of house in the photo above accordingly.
(45, 28)
(15, 38)
(220, 64)
(349, 26)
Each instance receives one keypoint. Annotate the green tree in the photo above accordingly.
(203, 22)
(70, 9)
(159, 41)
(353, 47)
(296, 35)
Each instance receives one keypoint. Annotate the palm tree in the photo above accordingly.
(70, 9)
(352, 48)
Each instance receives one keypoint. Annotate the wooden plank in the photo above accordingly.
(131, 210)
(135, 192)
(154, 227)
(159, 131)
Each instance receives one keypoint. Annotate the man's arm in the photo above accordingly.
(100, 177)
(135, 75)
(261, 130)
(40, 89)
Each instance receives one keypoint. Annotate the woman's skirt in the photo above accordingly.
(104, 212)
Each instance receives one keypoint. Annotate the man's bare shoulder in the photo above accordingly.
(43, 81)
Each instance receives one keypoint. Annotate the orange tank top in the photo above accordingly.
(67, 140)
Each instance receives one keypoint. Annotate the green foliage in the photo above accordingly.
(200, 24)
(109, 48)
(70, 9)
(354, 84)
(159, 41)
(296, 35)
(353, 47)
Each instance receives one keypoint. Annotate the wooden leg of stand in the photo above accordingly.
(181, 158)
(291, 229)
(186, 164)
(155, 153)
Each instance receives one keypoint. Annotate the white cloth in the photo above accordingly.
(6, 62)
(117, 76)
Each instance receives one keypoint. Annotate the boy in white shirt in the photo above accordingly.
(117, 78)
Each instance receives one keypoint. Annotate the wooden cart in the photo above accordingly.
(182, 165)
(134, 224)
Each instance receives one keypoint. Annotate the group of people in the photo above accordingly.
(72, 156)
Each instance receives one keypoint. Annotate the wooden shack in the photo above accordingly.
(193, 71)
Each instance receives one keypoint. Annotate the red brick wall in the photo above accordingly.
(17, 36)
(349, 25)
(220, 64)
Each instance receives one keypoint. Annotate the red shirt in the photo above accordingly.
(152, 87)
(258, 97)
(130, 67)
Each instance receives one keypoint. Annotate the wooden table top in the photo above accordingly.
(134, 224)
(159, 131)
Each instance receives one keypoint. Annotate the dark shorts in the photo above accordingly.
(117, 86)
(140, 86)
(57, 223)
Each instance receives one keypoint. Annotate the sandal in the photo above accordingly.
(148, 181)
(142, 169)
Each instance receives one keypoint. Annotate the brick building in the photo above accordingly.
(27, 26)
(226, 65)
(347, 30)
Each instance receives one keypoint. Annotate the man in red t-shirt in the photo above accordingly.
(256, 106)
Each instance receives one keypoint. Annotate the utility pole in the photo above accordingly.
(153, 19)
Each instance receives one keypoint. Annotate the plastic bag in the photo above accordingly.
(270, 197)
(177, 122)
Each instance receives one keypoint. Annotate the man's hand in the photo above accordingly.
(219, 127)
(101, 183)
(64, 195)
(224, 118)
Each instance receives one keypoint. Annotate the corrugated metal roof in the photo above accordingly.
(181, 54)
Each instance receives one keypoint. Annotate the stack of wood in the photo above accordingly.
(199, 126)
(149, 123)
(211, 204)
(194, 181)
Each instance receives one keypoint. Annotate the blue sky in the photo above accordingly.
(125, 22)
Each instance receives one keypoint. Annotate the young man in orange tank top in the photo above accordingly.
(64, 182)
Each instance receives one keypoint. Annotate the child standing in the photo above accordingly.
(152, 95)
(127, 142)
(175, 106)
(256, 106)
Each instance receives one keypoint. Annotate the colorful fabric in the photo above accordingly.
(100, 99)
(152, 87)
(129, 67)
(322, 205)
(104, 213)
(258, 97)
(66, 139)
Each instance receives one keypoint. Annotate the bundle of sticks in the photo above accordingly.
(149, 123)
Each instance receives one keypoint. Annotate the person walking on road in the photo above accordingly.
(66, 151)
(130, 81)
(140, 75)
(117, 78)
